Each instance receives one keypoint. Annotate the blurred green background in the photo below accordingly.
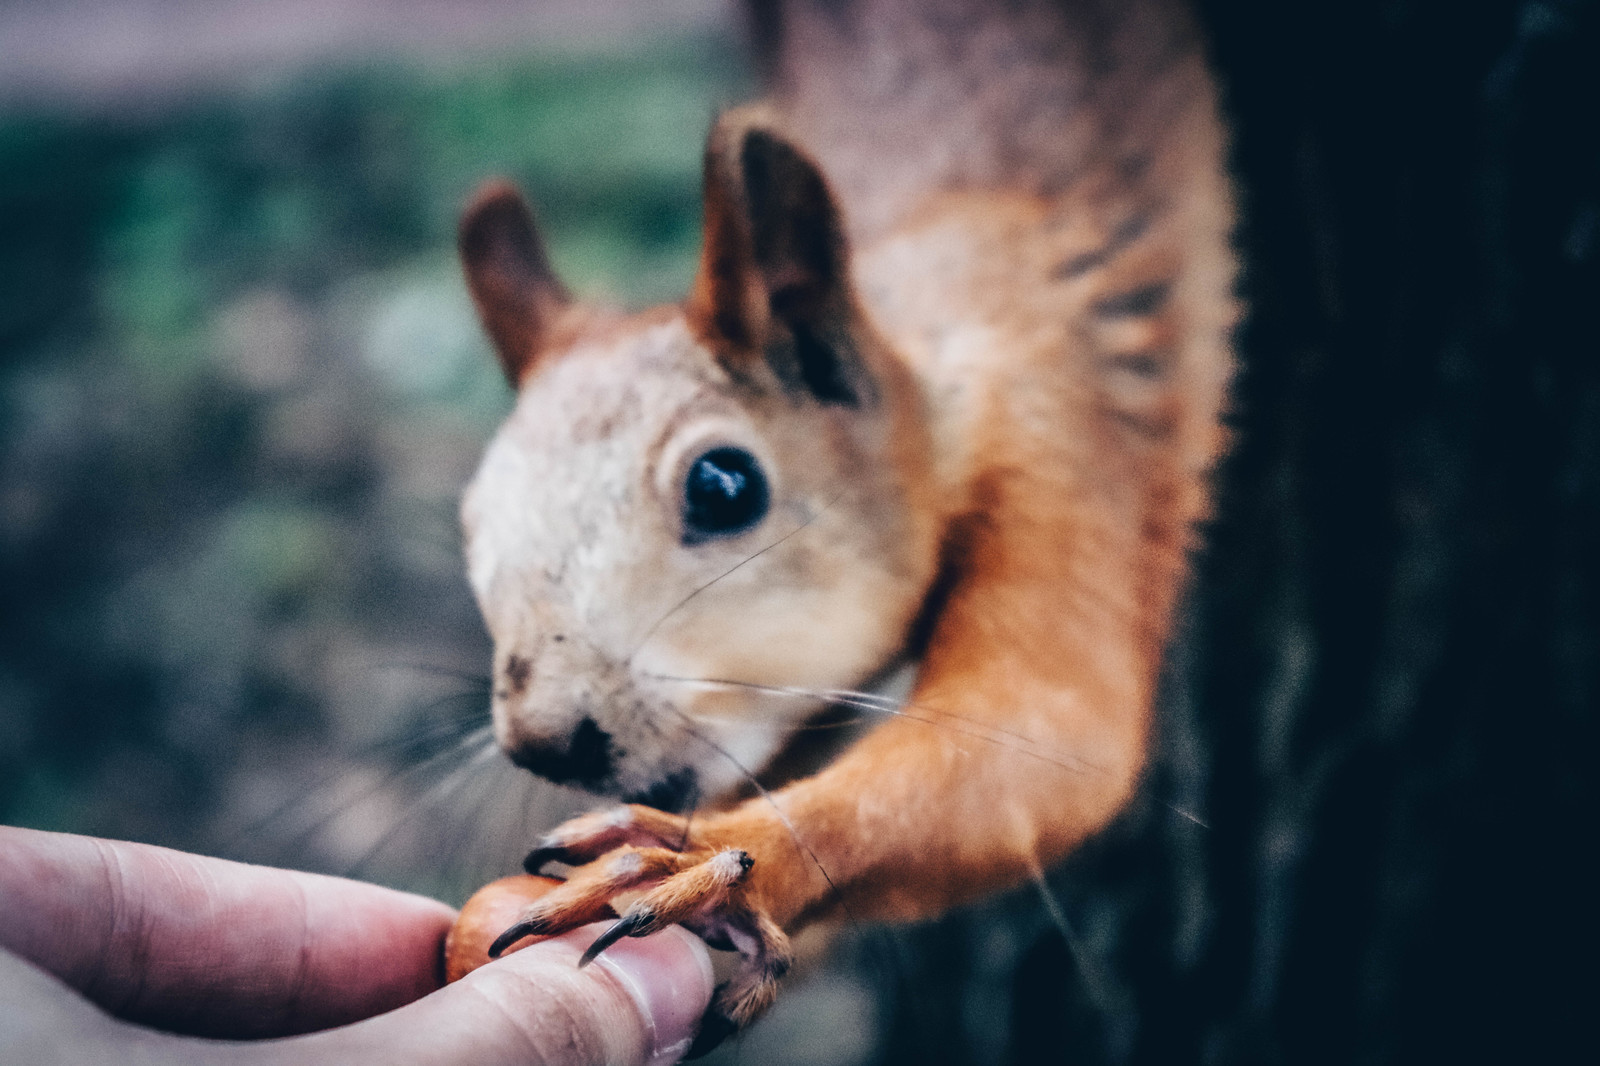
(241, 389)
(241, 386)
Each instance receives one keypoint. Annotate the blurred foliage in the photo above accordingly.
(240, 389)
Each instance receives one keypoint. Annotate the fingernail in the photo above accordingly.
(669, 976)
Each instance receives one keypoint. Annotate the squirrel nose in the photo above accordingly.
(582, 758)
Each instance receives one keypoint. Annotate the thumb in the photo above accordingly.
(640, 1002)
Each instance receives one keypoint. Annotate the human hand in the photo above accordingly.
(132, 954)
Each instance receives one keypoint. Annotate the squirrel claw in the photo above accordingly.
(634, 923)
(696, 891)
(586, 896)
(635, 849)
(514, 934)
(545, 852)
(590, 836)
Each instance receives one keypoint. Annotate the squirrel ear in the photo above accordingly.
(774, 275)
(517, 294)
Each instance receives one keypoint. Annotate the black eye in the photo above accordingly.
(725, 493)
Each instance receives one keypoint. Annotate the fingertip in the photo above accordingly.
(669, 977)
(642, 999)
(640, 1003)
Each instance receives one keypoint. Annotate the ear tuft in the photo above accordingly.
(774, 277)
(508, 273)
(794, 227)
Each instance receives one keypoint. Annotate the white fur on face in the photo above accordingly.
(575, 551)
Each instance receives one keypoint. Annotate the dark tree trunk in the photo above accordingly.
(1383, 703)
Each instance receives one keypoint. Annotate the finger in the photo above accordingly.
(44, 1021)
(641, 1003)
(210, 947)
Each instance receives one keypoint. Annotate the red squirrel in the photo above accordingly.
(946, 391)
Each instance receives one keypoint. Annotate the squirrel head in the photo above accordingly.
(730, 490)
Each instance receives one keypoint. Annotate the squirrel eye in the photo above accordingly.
(725, 493)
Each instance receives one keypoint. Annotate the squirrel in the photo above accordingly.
(947, 391)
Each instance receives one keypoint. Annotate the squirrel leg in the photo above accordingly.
(587, 837)
(765, 957)
(587, 895)
(685, 879)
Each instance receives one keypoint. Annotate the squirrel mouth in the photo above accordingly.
(672, 793)
(585, 758)
(589, 759)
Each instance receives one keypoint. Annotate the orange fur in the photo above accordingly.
(1040, 297)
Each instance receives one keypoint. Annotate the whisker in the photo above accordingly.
(827, 727)
(485, 829)
(1093, 983)
(404, 748)
(867, 701)
(771, 801)
(888, 703)
(421, 736)
(342, 805)
(445, 787)
(494, 829)
(479, 681)
(736, 566)
(878, 704)
(524, 823)
(463, 856)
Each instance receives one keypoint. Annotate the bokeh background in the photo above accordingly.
(241, 387)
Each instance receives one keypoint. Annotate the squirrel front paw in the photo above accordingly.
(673, 877)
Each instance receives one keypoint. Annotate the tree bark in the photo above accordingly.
(1382, 704)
